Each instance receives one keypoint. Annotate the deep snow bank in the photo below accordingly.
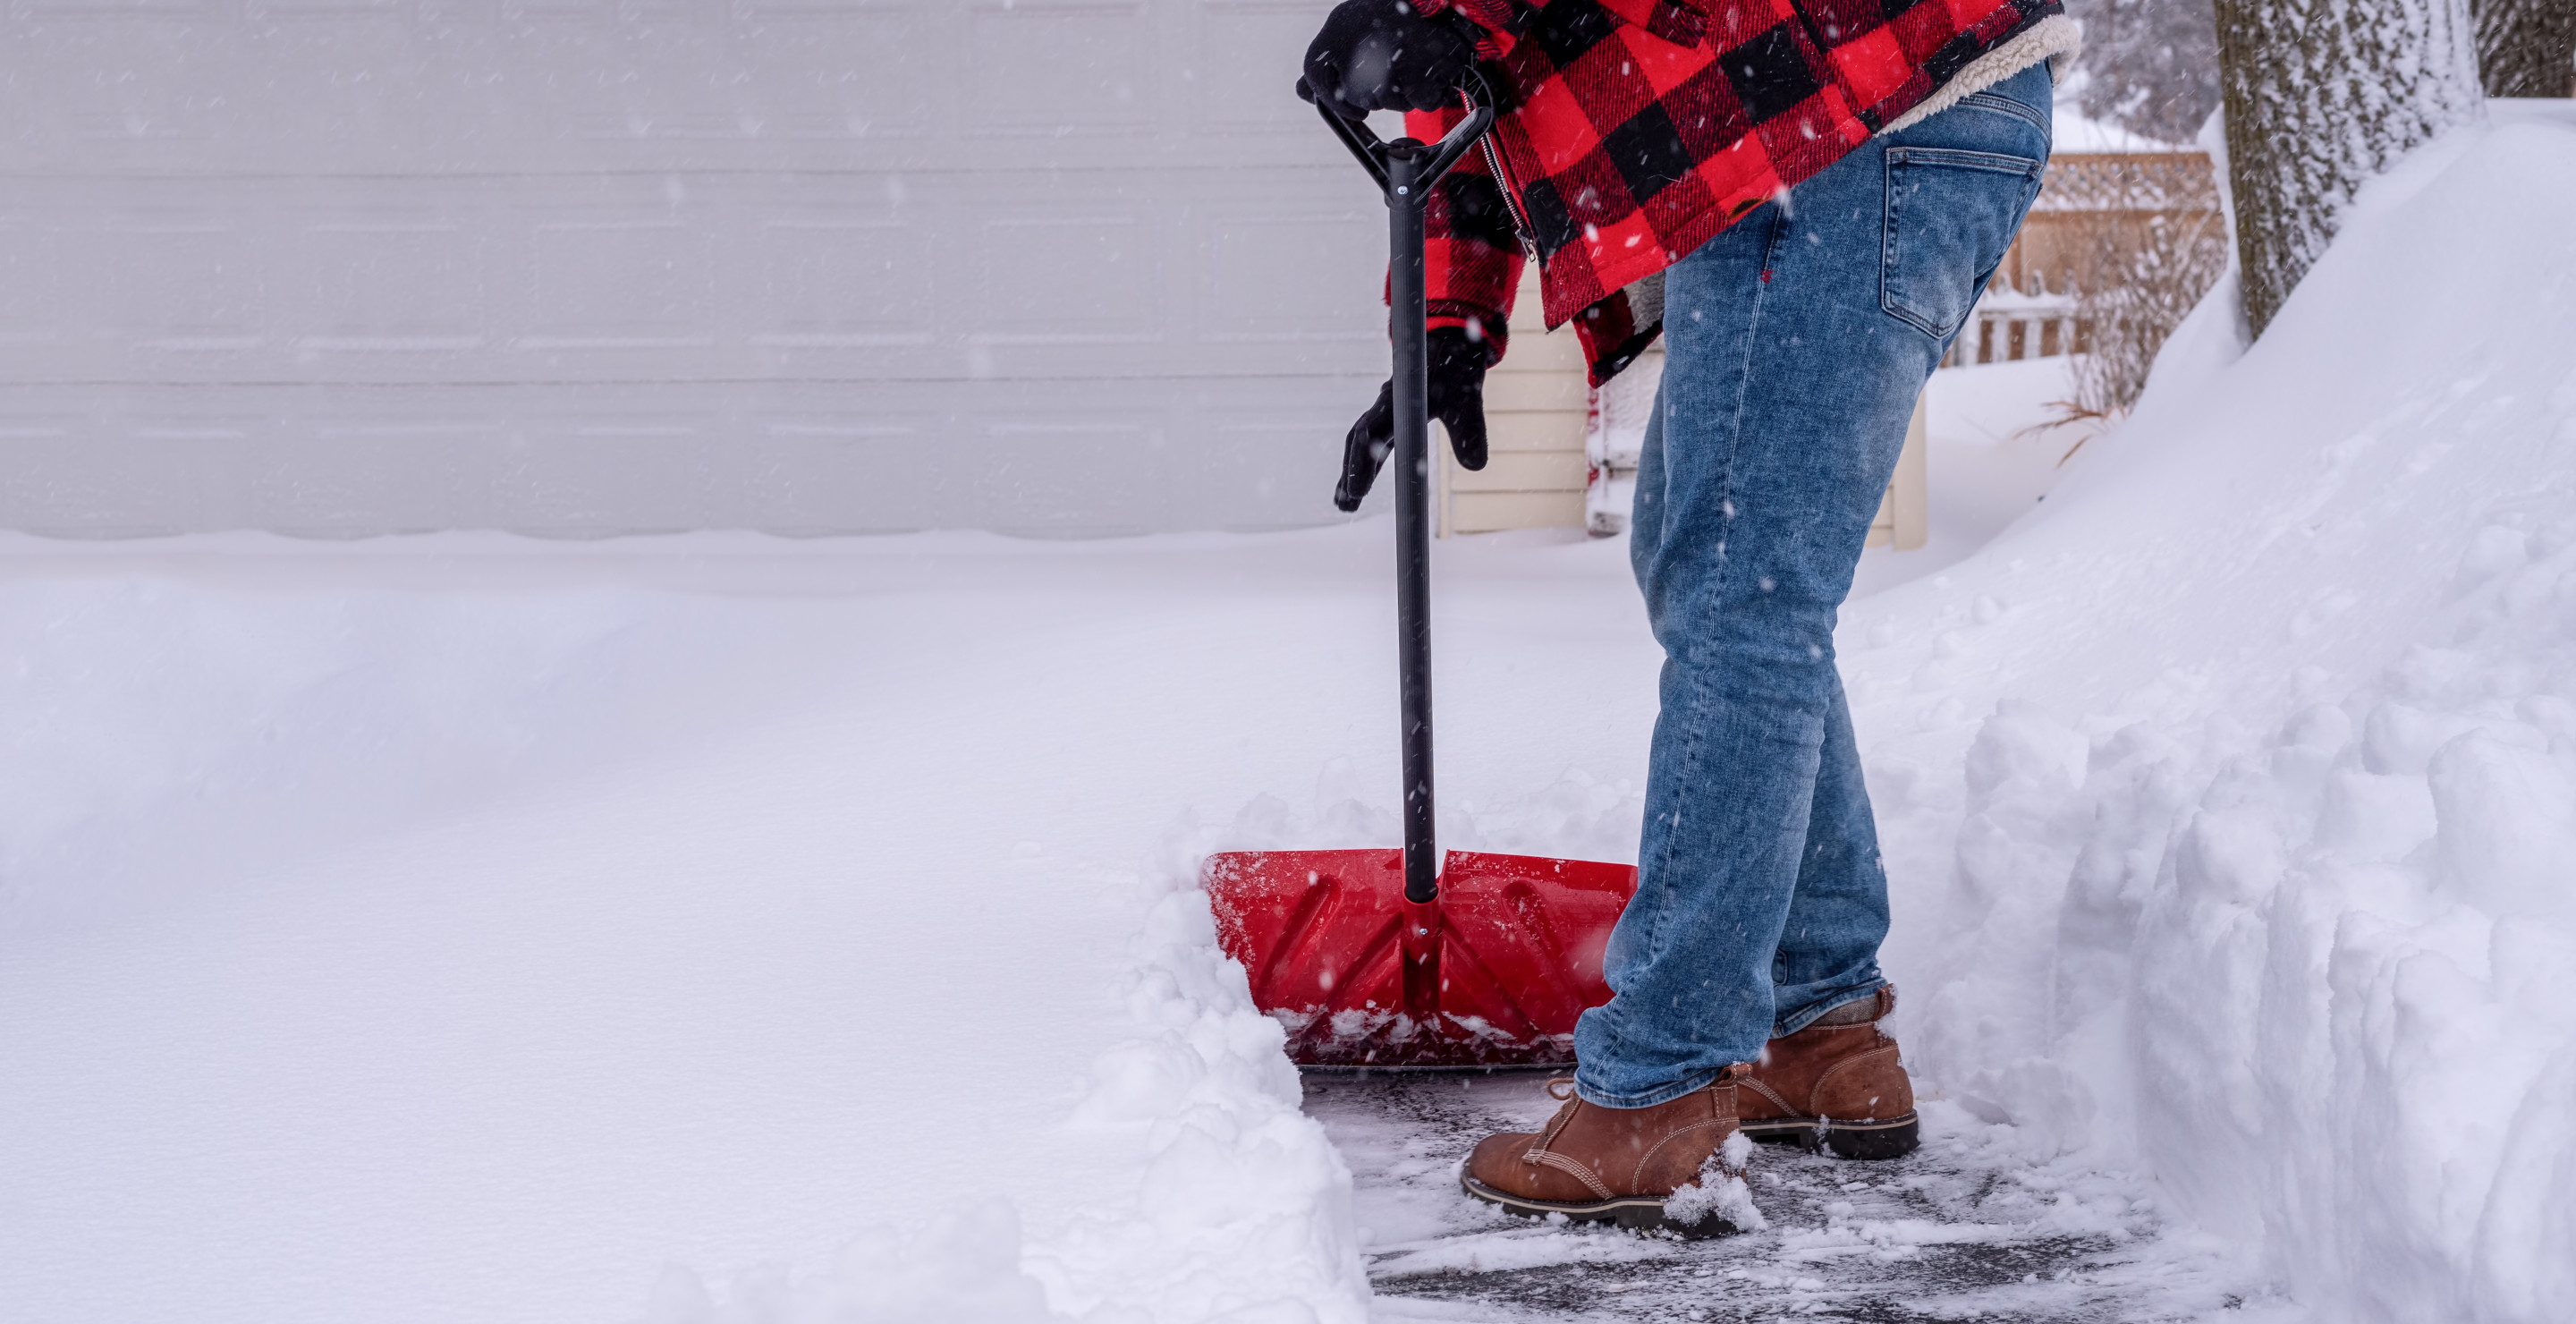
(465, 929)
(2231, 797)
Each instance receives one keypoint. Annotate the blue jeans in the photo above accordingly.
(1797, 341)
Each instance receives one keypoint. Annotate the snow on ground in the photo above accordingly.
(2232, 793)
(1967, 1227)
(722, 929)
(459, 929)
(1990, 456)
(2072, 131)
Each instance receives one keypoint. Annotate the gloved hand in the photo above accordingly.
(1457, 370)
(1381, 55)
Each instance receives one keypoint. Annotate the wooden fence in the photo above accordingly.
(2029, 307)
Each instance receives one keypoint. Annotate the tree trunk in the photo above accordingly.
(2320, 96)
(2526, 48)
(2150, 66)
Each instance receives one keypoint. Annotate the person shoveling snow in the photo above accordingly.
(1809, 229)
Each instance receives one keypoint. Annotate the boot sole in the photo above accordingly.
(1851, 1140)
(1637, 1213)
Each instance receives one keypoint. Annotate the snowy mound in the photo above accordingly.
(727, 933)
(2231, 796)
(721, 930)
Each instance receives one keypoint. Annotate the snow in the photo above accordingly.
(1720, 1191)
(2070, 130)
(1967, 1228)
(1994, 446)
(2254, 875)
(716, 928)
(466, 929)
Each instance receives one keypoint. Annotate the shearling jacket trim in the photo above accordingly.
(2055, 39)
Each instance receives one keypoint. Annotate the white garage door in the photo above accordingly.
(581, 267)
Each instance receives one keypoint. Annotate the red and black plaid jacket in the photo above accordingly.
(1633, 130)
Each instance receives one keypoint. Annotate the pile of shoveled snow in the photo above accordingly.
(2231, 797)
(716, 929)
(462, 929)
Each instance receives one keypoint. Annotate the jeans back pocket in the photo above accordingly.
(1950, 216)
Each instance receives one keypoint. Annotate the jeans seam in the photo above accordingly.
(1969, 158)
(1699, 1080)
(2031, 172)
(1725, 564)
(1726, 497)
(1782, 1029)
(2005, 105)
(1887, 300)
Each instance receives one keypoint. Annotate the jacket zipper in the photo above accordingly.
(1511, 200)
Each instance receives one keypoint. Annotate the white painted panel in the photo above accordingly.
(30, 275)
(385, 283)
(847, 75)
(1056, 279)
(1291, 274)
(596, 470)
(359, 475)
(852, 283)
(1246, 53)
(1070, 474)
(1056, 68)
(286, 11)
(61, 9)
(147, 78)
(581, 267)
(198, 458)
(60, 472)
(1487, 512)
(1254, 468)
(615, 282)
(186, 283)
(826, 473)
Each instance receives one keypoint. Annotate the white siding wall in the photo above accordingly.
(581, 267)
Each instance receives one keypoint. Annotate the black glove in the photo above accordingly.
(1381, 55)
(1457, 399)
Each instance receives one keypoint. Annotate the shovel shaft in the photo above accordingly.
(1407, 169)
(1406, 191)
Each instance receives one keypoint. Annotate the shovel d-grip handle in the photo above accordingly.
(1373, 153)
(1405, 170)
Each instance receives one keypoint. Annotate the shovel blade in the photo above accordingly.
(1493, 973)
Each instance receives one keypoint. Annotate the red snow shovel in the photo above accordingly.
(1386, 958)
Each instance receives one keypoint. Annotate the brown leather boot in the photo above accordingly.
(1836, 1083)
(1621, 1165)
